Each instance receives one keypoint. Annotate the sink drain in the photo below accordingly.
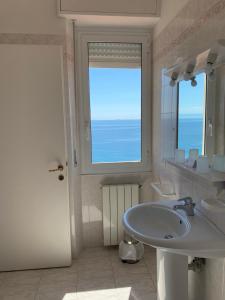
(168, 236)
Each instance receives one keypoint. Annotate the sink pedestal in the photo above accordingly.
(160, 226)
(172, 276)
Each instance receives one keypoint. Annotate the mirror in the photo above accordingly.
(201, 113)
(201, 101)
(191, 114)
(219, 107)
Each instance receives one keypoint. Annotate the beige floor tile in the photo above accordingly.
(149, 249)
(58, 275)
(98, 265)
(92, 260)
(96, 284)
(1, 283)
(57, 286)
(130, 293)
(74, 266)
(153, 272)
(120, 268)
(114, 251)
(95, 273)
(150, 257)
(136, 281)
(103, 294)
(68, 270)
(17, 290)
(150, 263)
(144, 294)
(57, 295)
(22, 277)
(95, 252)
(152, 269)
(98, 274)
(20, 296)
(2, 275)
(123, 293)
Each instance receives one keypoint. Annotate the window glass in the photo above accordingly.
(191, 115)
(115, 102)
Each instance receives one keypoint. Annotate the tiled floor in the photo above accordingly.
(98, 274)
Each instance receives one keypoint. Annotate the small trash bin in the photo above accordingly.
(130, 250)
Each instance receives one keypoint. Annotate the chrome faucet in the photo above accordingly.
(188, 206)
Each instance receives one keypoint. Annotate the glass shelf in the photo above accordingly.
(214, 178)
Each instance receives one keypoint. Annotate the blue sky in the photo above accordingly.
(115, 93)
(192, 98)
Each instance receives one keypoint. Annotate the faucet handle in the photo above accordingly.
(187, 200)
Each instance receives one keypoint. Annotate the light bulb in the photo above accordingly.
(174, 77)
(212, 76)
(193, 82)
(208, 68)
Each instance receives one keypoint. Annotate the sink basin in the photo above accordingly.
(160, 226)
(155, 223)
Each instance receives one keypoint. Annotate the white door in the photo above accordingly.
(34, 205)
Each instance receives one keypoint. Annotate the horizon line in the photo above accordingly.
(136, 119)
(118, 119)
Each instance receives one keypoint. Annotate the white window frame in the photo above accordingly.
(209, 119)
(83, 37)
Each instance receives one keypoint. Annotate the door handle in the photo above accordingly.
(59, 169)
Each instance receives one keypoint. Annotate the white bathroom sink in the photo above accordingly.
(160, 226)
(156, 223)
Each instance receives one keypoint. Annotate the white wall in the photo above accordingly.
(30, 16)
(92, 201)
(168, 11)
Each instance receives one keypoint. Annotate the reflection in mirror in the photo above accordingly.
(201, 114)
(219, 102)
(191, 114)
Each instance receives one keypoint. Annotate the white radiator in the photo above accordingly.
(116, 200)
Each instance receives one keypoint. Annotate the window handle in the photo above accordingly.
(210, 128)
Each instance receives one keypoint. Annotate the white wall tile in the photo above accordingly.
(92, 201)
(167, 142)
(167, 99)
(203, 192)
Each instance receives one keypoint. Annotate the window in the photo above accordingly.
(191, 115)
(115, 102)
(115, 106)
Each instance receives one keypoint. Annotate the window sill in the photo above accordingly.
(213, 178)
(116, 168)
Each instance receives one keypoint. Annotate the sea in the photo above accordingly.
(120, 140)
(190, 134)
